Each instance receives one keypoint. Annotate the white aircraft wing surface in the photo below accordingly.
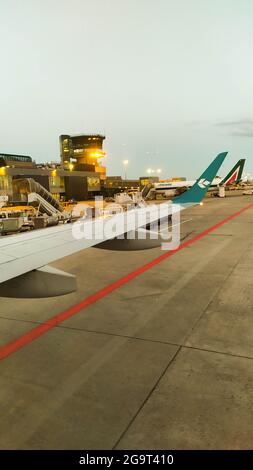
(25, 252)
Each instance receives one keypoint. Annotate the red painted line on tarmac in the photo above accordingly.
(40, 330)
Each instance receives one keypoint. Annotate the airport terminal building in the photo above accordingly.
(63, 183)
(79, 175)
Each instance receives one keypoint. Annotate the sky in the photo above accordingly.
(169, 82)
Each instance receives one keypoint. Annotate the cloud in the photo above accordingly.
(243, 133)
(240, 128)
(240, 122)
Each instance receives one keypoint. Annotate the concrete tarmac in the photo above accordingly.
(163, 362)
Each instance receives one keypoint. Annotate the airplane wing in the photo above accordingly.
(25, 252)
(24, 257)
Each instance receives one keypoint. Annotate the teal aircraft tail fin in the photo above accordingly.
(195, 194)
(235, 175)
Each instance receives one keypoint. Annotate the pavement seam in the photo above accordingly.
(213, 351)
(156, 341)
(147, 398)
(138, 338)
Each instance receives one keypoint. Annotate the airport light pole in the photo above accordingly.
(125, 163)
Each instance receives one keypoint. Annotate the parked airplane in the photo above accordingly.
(24, 257)
(170, 189)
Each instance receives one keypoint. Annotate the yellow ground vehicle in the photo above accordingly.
(29, 210)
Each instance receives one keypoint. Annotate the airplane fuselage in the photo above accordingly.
(171, 188)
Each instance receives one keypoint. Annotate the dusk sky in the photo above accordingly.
(169, 82)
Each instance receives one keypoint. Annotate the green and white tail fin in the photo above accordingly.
(235, 175)
(195, 194)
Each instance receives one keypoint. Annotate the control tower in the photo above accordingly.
(83, 152)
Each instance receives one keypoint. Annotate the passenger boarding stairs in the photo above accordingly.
(35, 199)
(42, 199)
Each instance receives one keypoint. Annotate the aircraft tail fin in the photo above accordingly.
(235, 175)
(195, 194)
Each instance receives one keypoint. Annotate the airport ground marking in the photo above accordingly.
(41, 329)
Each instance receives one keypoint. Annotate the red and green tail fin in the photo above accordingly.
(235, 175)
